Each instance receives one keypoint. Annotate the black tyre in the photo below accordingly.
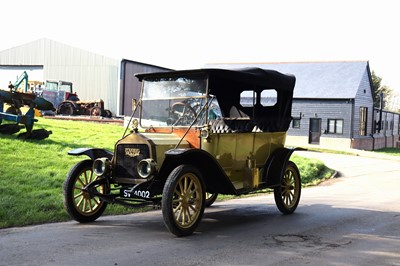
(107, 113)
(183, 200)
(287, 195)
(66, 108)
(210, 198)
(96, 111)
(80, 205)
(13, 110)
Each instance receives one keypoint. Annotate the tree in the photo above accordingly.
(378, 89)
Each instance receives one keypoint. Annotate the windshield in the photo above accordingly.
(173, 101)
(51, 86)
(66, 87)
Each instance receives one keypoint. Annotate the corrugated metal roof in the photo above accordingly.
(317, 80)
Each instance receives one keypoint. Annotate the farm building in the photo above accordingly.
(333, 106)
(93, 76)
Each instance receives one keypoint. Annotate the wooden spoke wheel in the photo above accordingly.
(287, 195)
(183, 200)
(79, 204)
(210, 198)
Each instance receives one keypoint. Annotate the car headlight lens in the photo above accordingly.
(205, 133)
(101, 166)
(146, 168)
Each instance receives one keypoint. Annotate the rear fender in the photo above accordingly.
(92, 153)
(276, 165)
(214, 176)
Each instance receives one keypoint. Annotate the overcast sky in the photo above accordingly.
(188, 34)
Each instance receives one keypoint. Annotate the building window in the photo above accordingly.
(363, 121)
(398, 126)
(296, 123)
(335, 126)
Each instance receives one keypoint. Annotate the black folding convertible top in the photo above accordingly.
(227, 84)
(253, 75)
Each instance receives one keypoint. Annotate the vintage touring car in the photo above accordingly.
(198, 133)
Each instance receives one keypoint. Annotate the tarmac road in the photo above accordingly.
(351, 220)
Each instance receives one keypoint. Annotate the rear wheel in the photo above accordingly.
(79, 204)
(210, 198)
(287, 195)
(183, 200)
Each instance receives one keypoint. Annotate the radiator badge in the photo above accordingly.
(132, 152)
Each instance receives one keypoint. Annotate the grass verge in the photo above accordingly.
(390, 151)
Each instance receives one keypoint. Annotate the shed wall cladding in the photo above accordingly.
(324, 109)
(31, 54)
(363, 99)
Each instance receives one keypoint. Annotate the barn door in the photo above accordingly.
(315, 131)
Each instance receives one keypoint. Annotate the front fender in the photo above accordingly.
(276, 164)
(214, 176)
(92, 153)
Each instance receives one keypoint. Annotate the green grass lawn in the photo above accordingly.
(390, 151)
(32, 172)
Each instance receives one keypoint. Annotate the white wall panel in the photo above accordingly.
(94, 76)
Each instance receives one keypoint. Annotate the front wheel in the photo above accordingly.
(96, 111)
(66, 108)
(287, 195)
(79, 204)
(183, 200)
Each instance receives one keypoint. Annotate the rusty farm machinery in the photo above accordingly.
(13, 101)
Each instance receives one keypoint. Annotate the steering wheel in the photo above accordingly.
(182, 114)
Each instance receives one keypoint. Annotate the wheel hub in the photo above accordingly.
(86, 195)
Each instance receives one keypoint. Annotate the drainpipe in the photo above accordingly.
(380, 112)
(123, 77)
(373, 141)
(351, 123)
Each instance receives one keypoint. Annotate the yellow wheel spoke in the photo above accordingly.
(80, 194)
(97, 202)
(80, 202)
(183, 216)
(185, 184)
(180, 189)
(193, 208)
(178, 208)
(191, 184)
(90, 205)
(84, 205)
(189, 216)
(86, 178)
(80, 181)
(92, 177)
